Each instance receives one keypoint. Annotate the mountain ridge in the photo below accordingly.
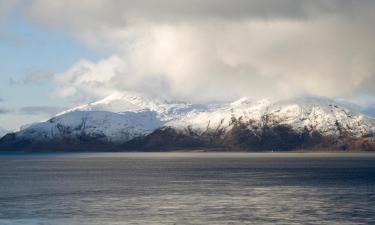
(129, 121)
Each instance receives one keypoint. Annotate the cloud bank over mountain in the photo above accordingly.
(217, 50)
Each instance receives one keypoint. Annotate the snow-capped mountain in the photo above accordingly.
(315, 113)
(124, 117)
(133, 102)
(321, 115)
(3, 132)
(95, 125)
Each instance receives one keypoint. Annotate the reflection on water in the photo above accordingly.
(187, 188)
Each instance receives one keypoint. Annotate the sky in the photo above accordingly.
(56, 54)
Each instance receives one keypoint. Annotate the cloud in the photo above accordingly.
(88, 78)
(5, 8)
(13, 82)
(86, 14)
(38, 76)
(33, 77)
(4, 111)
(40, 110)
(363, 103)
(34, 110)
(216, 49)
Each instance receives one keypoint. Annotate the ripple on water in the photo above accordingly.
(188, 189)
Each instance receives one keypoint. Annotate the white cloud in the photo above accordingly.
(88, 78)
(216, 50)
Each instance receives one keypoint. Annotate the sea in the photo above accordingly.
(187, 188)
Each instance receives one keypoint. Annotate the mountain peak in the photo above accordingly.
(121, 117)
(120, 102)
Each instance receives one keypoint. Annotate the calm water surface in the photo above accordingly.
(187, 188)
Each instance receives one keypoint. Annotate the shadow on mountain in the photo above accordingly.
(249, 137)
(239, 136)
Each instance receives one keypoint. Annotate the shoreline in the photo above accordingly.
(197, 154)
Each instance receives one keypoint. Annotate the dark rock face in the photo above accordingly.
(167, 138)
(277, 138)
(11, 143)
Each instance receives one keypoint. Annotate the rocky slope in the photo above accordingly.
(129, 121)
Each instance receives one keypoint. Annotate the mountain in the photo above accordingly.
(130, 121)
(370, 110)
(3, 132)
(364, 106)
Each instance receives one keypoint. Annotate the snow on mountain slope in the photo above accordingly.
(3, 132)
(322, 115)
(134, 102)
(123, 116)
(98, 125)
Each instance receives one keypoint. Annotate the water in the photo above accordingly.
(187, 188)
